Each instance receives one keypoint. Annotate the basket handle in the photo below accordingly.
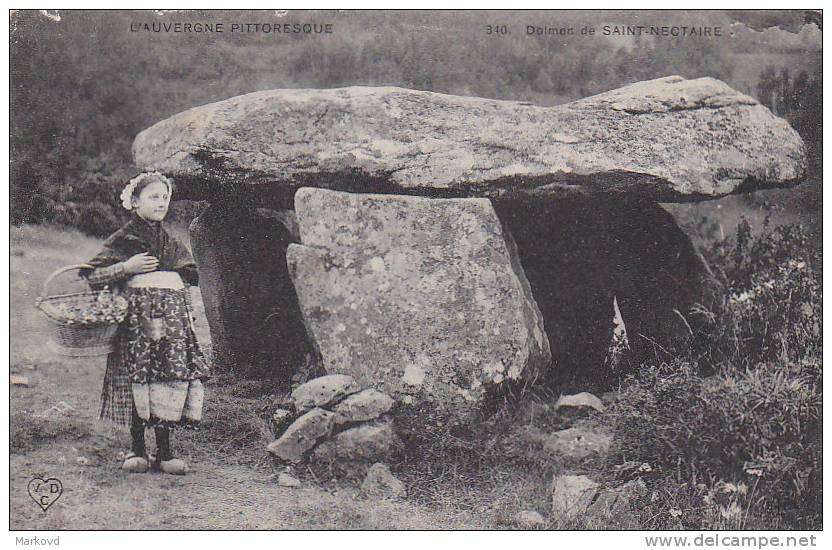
(59, 272)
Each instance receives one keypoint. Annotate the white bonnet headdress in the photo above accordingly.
(127, 193)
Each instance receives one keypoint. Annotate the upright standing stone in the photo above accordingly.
(419, 298)
(250, 302)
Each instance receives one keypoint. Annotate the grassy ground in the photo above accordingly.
(230, 486)
(701, 445)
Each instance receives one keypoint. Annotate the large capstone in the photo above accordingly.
(250, 302)
(419, 298)
(582, 254)
(668, 139)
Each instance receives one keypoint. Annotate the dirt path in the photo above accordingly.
(212, 497)
(54, 433)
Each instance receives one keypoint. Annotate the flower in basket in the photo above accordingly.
(105, 309)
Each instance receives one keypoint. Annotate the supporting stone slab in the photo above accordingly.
(250, 302)
(581, 253)
(419, 298)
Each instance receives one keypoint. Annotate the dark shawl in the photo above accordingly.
(139, 235)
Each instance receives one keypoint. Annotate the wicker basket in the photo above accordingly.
(70, 336)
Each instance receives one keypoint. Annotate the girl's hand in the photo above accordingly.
(141, 263)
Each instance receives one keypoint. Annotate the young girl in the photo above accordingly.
(155, 371)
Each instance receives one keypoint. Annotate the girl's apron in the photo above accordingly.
(162, 357)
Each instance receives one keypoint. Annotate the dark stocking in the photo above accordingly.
(163, 444)
(137, 434)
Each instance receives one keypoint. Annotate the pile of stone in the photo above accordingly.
(334, 421)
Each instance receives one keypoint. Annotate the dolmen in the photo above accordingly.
(449, 250)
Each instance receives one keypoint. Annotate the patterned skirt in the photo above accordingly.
(156, 364)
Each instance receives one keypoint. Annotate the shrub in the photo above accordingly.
(772, 311)
(89, 200)
(747, 438)
(761, 426)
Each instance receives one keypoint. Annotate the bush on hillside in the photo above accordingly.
(760, 427)
(773, 308)
(746, 441)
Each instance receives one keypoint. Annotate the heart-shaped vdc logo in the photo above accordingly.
(45, 491)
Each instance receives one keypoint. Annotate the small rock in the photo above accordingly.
(59, 409)
(627, 466)
(82, 461)
(381, 483)
(323, 391)
(610, 397)
(577, 443)
(364, 443)
(529, 519)
(580, 401)
(302, 435)
(362, 406)
(281, 419)
(634, 489)
(572, 495)
(285, 480)
(616, 502)
(413, 375)
(16, 380)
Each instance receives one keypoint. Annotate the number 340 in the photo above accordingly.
(496, 29)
